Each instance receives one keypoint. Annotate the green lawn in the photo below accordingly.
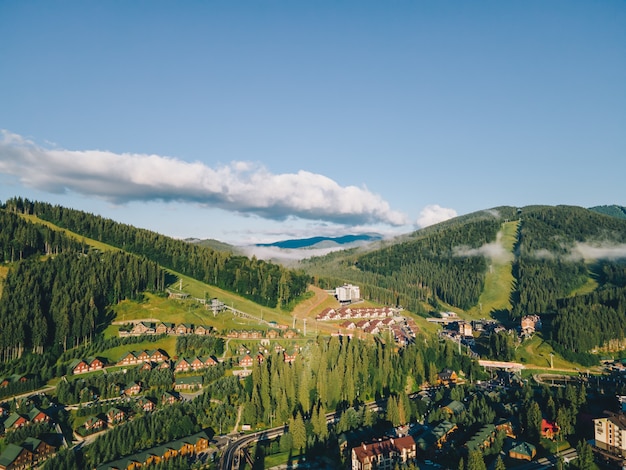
(113, 355)
(89, 241)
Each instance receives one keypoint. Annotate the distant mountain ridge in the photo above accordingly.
(326, 241)
(612, 210)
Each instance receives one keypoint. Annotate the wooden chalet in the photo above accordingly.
(81, 366)
(15, 421)
(190, 445)
(246, 361)
(182, 365)
(188, 383)
(168, 398)
(384, 453)
(549, 429)
(523, 451)
(133, 389)
(447, 377)
(115, 415)
(146, 404)
(16, 457)
(94, 423)
(36, 416)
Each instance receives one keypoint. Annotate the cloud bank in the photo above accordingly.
(593, 251)
(433, 214)
(242, 187)
(494, 251)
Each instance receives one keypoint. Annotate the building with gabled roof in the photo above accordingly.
(15, 457)
(384, 453)
(523, 451)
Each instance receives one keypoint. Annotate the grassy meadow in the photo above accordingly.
(499, 277)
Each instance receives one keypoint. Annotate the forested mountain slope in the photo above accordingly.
(558, 251)
(613, 210)
(262, 282)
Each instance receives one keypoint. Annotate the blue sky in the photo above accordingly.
(256, 121)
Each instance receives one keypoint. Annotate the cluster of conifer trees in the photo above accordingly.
(262, 282)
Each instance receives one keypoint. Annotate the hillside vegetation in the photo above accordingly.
(560, 262)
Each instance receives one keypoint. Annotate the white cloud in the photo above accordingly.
(241, 187)
(594, 251)
(434, 214)
(494, 251)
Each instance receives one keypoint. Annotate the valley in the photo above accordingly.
(264, 358)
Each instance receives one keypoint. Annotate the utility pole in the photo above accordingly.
(304, 327)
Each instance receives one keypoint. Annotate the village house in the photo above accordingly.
(28, 455)
(290, 355)
(522, 451)
(437, 436)
(15, 378)
(132, 389)
(447, 377)
(115, 415)
(188, 383)
(94, 423)
(146, 404)
(191, 445)
(81, 366)
(15, 421)
(482, 439)
(16, 457)
(164, 328)
(549, 429)
(182, 365)
(36, 416)
(184, 329)
(246, 360)
(383, 453)
(168, 398)
(529, 324)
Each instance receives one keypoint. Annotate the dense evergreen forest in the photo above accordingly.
(265, 283)
(547, 265)
(427, 268)
(62, 301)
(421, 271)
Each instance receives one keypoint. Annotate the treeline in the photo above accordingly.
(443, 265)
(149, 430)
(548, 266)
(62, 301)
(20, 239)
(199, 345)
(265, 283)
(595, 320)
(339, 371)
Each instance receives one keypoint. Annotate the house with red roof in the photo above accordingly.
(384, 453)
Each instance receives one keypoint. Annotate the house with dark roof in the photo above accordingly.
(454, 408)
(15, 421)
(190, 445)
(15, 457)
(188, 383)
(482, 439)
(437, 436)
(522, 451)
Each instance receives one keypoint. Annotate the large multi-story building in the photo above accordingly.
(383, 454)
(348, 293)
(610, 434)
